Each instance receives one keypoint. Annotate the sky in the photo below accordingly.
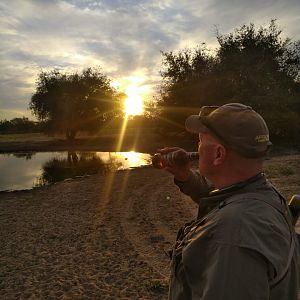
(125, 38)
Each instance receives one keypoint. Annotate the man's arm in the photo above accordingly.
(196, 186)
(190, 182)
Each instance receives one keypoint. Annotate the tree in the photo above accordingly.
(19, 125)
(187, 76)
(251, 65)
(73, 102)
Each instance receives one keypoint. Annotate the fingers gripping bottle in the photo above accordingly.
(179, 158)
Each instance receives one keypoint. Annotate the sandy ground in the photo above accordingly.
(101, 237)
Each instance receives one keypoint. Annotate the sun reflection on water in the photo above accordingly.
(126, 160)
(135, 159)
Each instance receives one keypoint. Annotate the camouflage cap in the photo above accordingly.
(235, 125)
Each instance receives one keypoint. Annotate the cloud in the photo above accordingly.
(124, 37)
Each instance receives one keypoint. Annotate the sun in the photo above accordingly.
(133, 104)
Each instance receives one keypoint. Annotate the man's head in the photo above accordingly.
(233, 139)
(237, 126)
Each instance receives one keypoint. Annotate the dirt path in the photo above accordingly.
(100, 237)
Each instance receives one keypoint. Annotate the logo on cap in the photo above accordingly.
(262, 138)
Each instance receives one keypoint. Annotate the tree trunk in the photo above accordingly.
(70, 135)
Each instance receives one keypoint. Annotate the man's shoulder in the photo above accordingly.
(248, 221)
(263, 203)
(251, 209)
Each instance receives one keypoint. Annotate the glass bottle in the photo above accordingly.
(179, 158)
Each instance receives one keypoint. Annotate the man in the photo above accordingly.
(242, 245)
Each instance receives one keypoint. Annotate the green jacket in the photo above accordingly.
(237, 248)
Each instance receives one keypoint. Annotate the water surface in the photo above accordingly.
(28, 170)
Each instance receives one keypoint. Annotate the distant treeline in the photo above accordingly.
(24, 125)
(20, 125)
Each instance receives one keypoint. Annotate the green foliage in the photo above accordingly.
(252, 65)
(72, 102)
(274, 171)
(187, 81)
(156, 285)
(19, 125)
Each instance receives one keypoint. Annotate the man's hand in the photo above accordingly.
(182, 172)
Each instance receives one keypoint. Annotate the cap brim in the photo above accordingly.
(194, 125)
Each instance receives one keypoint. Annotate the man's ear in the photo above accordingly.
(220, 155)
